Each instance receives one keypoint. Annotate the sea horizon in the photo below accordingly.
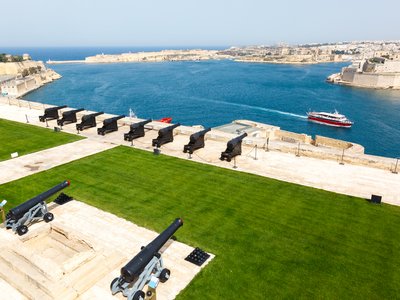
(45, 53)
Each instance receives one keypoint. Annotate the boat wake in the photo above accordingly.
(255, 108)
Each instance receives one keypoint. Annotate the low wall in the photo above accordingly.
(292, 137)
(329, 142)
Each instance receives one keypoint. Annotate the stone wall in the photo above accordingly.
(15, 68)
(292, 137)
(371, 80)
(329, 142)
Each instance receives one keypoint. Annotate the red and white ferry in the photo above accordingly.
(330, 119)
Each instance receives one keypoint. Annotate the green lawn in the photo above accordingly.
(271, 239)
(25, 138)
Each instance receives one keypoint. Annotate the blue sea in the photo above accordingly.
(213, 93)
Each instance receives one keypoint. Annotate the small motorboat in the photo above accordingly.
(165, 120)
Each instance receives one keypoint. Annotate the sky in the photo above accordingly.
(61, 23)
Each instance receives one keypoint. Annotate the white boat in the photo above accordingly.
(330, 119)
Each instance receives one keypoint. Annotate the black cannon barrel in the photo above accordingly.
(17, 212)
(138, 124)
(198, 134)
(134, 267)
(69, 116)
(71, 112)
(55, 108)
(169, 128)
(93, 115)
(236, 140)
(113, 119)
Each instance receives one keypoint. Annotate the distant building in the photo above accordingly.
(376, 72)
(26, 56)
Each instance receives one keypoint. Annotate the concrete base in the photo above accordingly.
(77, 255)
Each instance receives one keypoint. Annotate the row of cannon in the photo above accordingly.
(137, 130)
(146, 268)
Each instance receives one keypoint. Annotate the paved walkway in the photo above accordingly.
(29, 164)
(329, 175)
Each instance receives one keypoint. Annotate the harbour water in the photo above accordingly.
(212, 93)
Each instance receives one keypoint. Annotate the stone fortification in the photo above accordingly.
(164, 55)
(16, 68)
(19, 78)
(377, 72)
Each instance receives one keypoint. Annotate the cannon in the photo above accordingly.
(136, 130)
(88, 121)
(165, 135)
(69, 117)
(196, 141)
(34, 209)
(233, 148)
(51, 113)
(144, 267)
(109, 125)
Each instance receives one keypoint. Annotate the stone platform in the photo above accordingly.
(77, 255)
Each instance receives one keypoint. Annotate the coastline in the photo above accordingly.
(20, 78)
(187, 55)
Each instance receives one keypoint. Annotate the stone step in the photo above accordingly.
(34, 275)
(20, 264)
(88, 274)
(18, 280)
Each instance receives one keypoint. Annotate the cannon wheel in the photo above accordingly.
(139, 295)
(164, 275)
(21, 230)
(113, 282)
(48, 217)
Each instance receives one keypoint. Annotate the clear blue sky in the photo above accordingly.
(194, 23)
